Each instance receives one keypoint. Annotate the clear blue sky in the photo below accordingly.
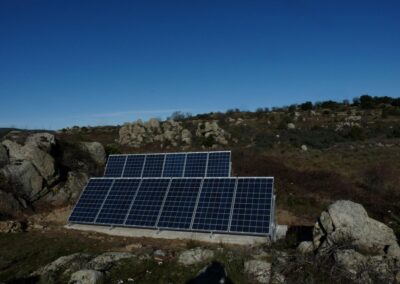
(65, 63)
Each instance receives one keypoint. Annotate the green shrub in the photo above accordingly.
(354, 133)
(394, 133)
(111, 149)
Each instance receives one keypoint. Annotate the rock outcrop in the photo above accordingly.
(30, 173)
(96, 152)
(212, 131)
(348, 222)
(44, 141)
(170, 133)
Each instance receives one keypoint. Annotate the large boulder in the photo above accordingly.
(15, 152)
(25, 177)
(3, 156)
(42, 161)
(194, 256)
(96, 152)
(44, 141)
(72, 262)
(364, 248)
(106, 260)
(87, 276)
(70, 191)
(9, 205)
(347, 223)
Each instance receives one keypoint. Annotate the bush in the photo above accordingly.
(394, 133)
(209, 141)
(329, 104)
(110, 150)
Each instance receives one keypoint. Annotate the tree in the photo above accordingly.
(306, 106)
(367, 102)
(396, 102)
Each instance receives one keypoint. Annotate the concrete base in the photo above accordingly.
(176, 235)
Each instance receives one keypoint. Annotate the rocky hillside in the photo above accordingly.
(318, 153)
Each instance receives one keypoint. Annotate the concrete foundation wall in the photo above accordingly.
(151, 233)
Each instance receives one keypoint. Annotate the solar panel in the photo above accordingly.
(174, 165)
(227, 205)
(177, 211)
(118, 201)
(134, 166)
(190, 164)
(115, 166)
(214, 207)
(196, 164)
(153, 165)
(147, 204)
(89, 203)
(252, 206)
(219, 164)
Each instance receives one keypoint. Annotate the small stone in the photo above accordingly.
(291, 126)
(305, 247)
(260, 270)
(159, 253)
(10, 227)
(134, 246)
(87, 276)
(304, 148)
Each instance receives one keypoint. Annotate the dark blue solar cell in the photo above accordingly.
(178, 208)
(134, 166)
(174, 164)
(214, 207)
(115, 166)
(252, 208)
(196, 165)
(219, 164)
(90, 201)
(118, 201)
(147, 204)
(153, 165)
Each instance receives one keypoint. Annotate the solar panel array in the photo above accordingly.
(191, 164)
(225, 204)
